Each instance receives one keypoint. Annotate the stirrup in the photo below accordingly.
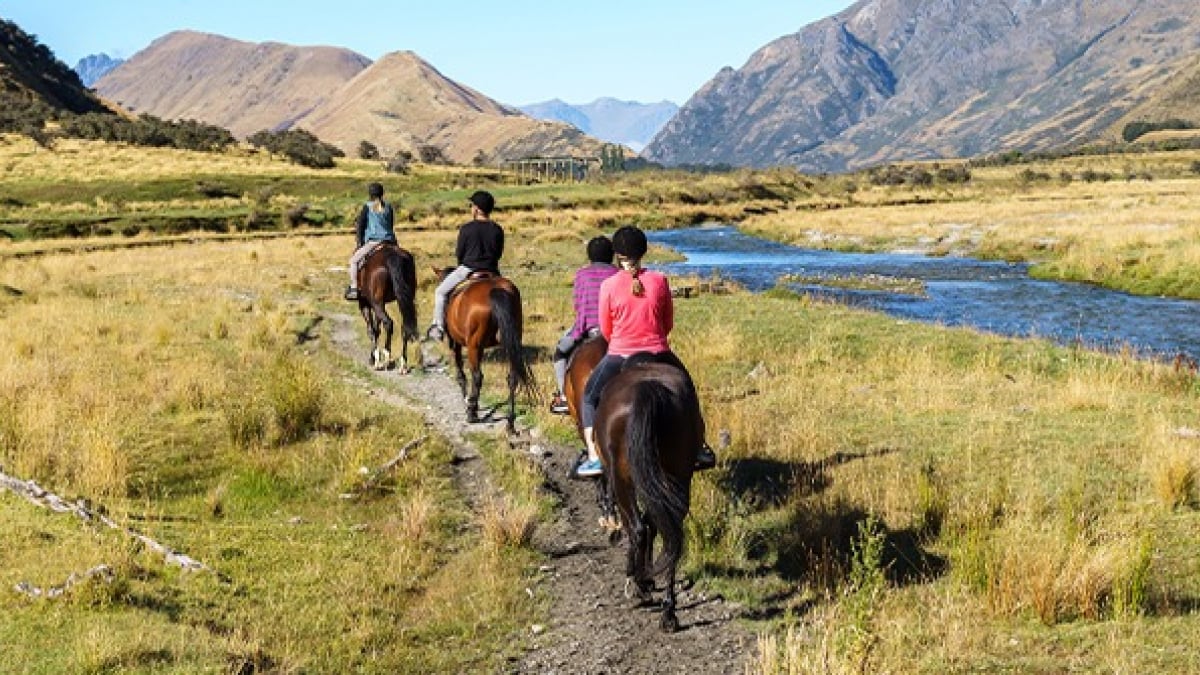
(351, 293)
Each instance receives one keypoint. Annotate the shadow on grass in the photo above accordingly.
(768, 483)
(809, 540)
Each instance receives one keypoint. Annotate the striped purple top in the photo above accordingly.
(587, 297)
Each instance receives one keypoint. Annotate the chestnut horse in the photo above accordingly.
(388, 275)
(584, 359)
(483, 313)
(648, 427)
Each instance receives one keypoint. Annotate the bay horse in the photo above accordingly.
(584, 359)
(482, 313)
(388, 275)
(648, 428)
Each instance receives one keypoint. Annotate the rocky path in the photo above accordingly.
(593, 627)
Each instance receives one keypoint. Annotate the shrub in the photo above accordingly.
(299, 146)
(294, 394)
(367, 150)
(398, 163)
(1135, 130)
(431, 154)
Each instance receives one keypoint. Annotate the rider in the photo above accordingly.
(480, 245)
(374, 226)
(587, 306)
(636, 314)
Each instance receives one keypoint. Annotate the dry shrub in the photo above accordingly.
(1028, 567)
(418, 517)
(1173, 478)
(506, 523)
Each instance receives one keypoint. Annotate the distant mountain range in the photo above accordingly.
(889, 80)
(628, 123)
(399, 102)
(95, 66)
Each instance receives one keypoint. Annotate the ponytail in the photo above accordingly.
(634, 267)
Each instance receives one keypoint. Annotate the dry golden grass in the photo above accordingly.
(22, 159)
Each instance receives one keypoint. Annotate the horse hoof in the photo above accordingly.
(669, 622)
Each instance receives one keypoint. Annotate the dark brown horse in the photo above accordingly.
(648, 429)
(484, 313)
(388, 275)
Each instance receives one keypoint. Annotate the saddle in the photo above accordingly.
(383, 247)
(476, 276)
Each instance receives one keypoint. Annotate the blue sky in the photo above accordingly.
(517, 52)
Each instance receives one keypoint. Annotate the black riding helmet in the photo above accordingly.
(600, 250)
(630, 242)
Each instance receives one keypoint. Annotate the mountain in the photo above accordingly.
(398, 103)
(95, 66)
(242, 86)
(30, 73)
(402, 102)
(890, 80)
(629, 123)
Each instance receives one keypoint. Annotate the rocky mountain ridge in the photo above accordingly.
(889, 80)
(95, 66)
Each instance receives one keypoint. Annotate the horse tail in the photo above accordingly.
(506, 308)
(403, 272)
(664, 496)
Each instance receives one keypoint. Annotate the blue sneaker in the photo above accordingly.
(588, 468)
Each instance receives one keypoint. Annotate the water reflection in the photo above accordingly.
(993, 296)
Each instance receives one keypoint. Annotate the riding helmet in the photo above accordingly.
(630, 242)
(600, 250)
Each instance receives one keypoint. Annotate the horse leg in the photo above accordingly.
(474, 356)
(632, 523)
(608, 512)
(403, 366)
(669, 621)
(512, 401)
(387, 337)
(372, 330)
(456, 349)
(645, 555)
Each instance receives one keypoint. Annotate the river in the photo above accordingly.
(997, 297)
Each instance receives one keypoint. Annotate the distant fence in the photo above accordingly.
(553, 169)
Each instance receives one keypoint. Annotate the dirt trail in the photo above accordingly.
(593, 627)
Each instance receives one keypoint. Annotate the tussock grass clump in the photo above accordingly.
(1173, 479)
(506, 523)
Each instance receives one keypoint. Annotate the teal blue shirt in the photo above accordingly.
(376, 226)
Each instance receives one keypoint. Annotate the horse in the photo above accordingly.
(486, 312)
(388, 275)
(648, 427)
(584, 359)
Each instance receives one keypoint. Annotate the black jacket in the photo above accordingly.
(480, 245)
